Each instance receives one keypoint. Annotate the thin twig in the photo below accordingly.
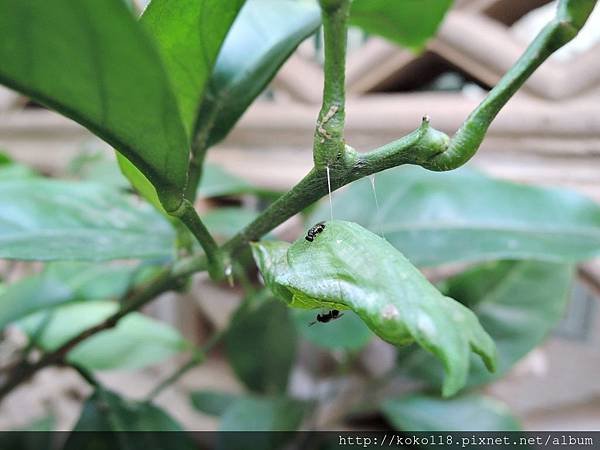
(132, 301)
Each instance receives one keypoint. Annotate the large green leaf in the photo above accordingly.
(189, 34)
(91, 61)
(213, 403)
(518, 303)
(463, 413)
(97, 166)
(260, 414)
(261, 345)
(462, 215)
(261, 39)
(218, 182)
(349, 333)
(263, 414)
(140, 183)
(223, 223)
(110, 415)
(348, 267)
(43, 219)
(65, 282)
(137, 340)
(12, 170)
(409, 23)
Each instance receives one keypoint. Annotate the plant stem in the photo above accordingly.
(423, 142)
(194, 174)
(188, 215)
(197, 358)
(87, 375)
(201, 142)
(329, 133)
(570, 18)
(132, 301)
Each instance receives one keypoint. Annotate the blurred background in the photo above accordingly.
(548, 134)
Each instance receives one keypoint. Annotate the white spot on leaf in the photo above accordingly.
(390, 312)
(426, 326)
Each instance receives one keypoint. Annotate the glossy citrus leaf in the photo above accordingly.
(409, 23)
(106, 417)
(97, 166)
(224, 223)
(65, 282)
(43, 219)
(218, 182)
(261, 39)
(347, 333)
(95, 64)
(464, 216)
(261, 345)
(348, 267)
(518, 303)
(213, 403)
(263, 414)
(469, 412)
(12, 170)
(137, 340)
(189, 34)
(140, 183)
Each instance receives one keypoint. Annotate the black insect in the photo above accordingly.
(312, 233)
(327, 317)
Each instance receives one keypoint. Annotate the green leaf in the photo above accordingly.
(409, 23)
(189, 34)
(349, 333)
(224, 223)
(139, 182)
(463, 413)
(110, 415)
(218, 182)
(10, 170)
(64, 282)
(95, 64)
(261, 345)
(263, 414)
(348, 267)
(213, 403)
(99, 167)
(137, 340)
(261, 39)
(463, 216)
(43, 219)
(518, 303)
